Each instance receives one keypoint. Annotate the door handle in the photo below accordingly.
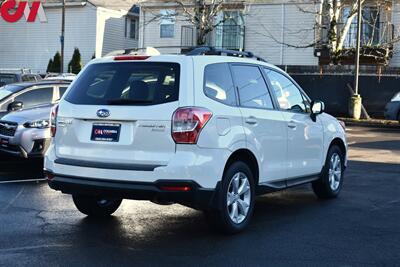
(251, 120)
(292, 124)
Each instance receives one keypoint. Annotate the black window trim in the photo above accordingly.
(303, 94)
(233, 82)
(275, 107)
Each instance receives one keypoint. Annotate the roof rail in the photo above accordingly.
(189, 51)
(209, 50)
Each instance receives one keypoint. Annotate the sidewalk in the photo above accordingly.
(370, 123)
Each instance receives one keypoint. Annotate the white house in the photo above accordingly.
(96, 27)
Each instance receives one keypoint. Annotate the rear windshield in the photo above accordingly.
(126, 83)
(7, 79)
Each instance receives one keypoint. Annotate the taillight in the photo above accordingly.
(131, 57)
(187, 124)
(53, 121)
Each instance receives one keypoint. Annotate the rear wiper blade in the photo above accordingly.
(121, 101)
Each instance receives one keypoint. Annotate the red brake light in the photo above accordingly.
(176, 188)
(187, 124)
(131, 57)
(53, 121)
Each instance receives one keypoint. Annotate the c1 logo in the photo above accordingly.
(22, 9)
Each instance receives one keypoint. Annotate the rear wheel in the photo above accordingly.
(331, 179)
(236, 199)
(96, 206)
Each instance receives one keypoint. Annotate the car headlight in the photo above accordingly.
(396, 97)
(39, 124)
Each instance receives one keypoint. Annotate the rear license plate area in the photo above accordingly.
(105, 132)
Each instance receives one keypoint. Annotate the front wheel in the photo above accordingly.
(96, 206)
(331, 179)
(236, 199)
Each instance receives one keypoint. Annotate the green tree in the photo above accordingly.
(75, 65)
(50, 65)
(56, 67)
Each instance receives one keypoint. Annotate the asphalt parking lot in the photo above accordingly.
(39, 226)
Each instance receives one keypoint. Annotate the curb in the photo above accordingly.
(371, 123)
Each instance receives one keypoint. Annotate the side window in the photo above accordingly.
(62, 90)
(288, 95)
(218, 83)
(253, 91)
(36, 97)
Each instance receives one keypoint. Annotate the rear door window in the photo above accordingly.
(36, 97)
(126, 83)
(253, 91)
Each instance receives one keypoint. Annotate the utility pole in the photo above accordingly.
(356, 101)
(62, 36)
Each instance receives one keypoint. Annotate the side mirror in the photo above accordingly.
(14, 106)
(317, 107)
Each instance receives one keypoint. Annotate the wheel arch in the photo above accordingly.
(247, 157)
(341, 144)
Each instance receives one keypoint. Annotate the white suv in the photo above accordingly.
(211, 130)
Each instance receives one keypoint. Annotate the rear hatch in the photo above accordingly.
(120, 112)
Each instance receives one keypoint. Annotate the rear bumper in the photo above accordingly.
(162, 191)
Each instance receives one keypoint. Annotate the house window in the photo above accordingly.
(370, 27)
(133, 29)
(167, 24)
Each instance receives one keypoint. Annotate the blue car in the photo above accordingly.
(392, 109)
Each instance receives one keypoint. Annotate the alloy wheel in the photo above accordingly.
(335, 171)
(238, 198)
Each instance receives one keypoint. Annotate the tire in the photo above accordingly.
(234, 217)
(330, 182)
(96, 206)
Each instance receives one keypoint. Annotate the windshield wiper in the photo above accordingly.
(121, 101)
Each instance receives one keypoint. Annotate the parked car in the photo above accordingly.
(392, 109)
(26, 95)
(9, 76)
(61, 77)
(26, 133)
(203, 130)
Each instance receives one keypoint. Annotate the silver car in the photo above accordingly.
(26, 133)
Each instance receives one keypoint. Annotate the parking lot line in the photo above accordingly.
(23, 181)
